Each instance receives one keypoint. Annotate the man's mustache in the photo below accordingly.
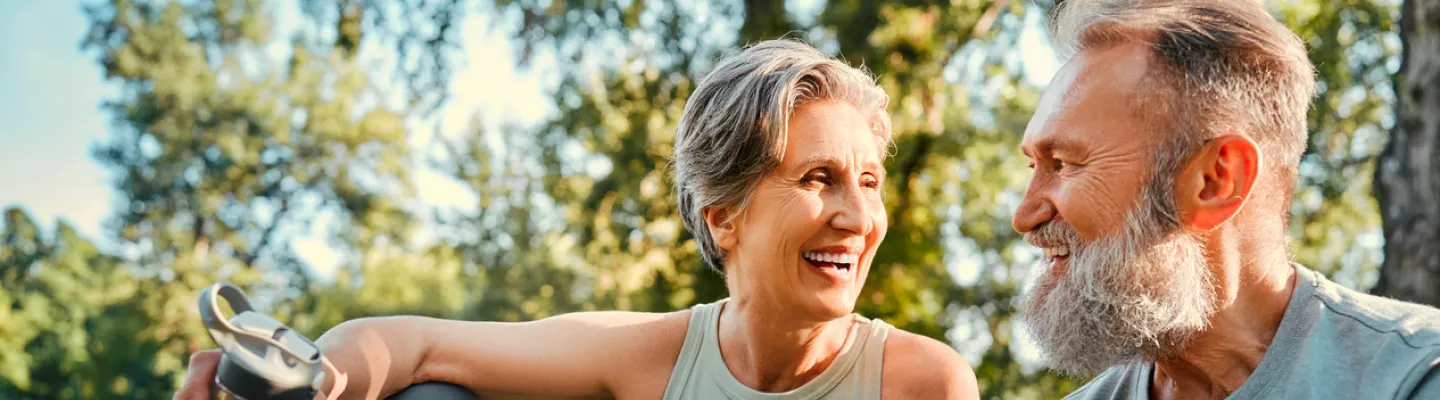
(1053, 234)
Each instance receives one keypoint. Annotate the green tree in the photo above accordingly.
(21, 249)
(68, 308)
(221, 152)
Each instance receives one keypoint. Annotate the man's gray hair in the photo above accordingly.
(733, 130)
(1216, 66)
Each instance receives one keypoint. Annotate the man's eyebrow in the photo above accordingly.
(1049, 145)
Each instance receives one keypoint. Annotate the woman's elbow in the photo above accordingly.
(379, 355)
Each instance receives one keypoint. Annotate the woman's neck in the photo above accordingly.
(770, 350)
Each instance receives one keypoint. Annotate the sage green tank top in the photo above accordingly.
(700, 373)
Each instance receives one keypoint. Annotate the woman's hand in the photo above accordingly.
(200, 376)
(360, 363)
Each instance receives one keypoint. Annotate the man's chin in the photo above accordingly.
(1081, 346)
(1072, 338)
(1080, 355)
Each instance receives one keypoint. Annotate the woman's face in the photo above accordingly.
(809, 233)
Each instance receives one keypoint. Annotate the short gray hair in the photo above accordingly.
(733, 130)
(1216, 65)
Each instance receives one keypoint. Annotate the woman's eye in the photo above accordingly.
(816, 178)
(869, 182)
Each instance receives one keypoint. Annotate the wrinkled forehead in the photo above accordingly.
(1094, 92)
(838, 127)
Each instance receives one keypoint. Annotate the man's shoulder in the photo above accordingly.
(1119, 382)
(1413, 325)
(1400, 339)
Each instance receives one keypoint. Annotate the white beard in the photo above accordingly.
(1139, 295)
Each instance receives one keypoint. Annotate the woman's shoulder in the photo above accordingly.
(628, 329)
(645, 344)
(921, 367)
(626, 319)
(632, 333)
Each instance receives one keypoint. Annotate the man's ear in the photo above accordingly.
(722, 227)
(1214, 186)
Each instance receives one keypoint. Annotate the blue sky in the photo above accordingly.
(50, 96)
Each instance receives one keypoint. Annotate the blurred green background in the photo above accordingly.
(506, 160)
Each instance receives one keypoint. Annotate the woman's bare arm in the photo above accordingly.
(567, 355)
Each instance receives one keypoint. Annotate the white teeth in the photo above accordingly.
(1051, 252)
(838, 258)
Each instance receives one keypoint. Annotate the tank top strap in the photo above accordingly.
(872, 357)
(702, 319)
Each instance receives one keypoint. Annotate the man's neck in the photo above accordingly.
(1254, 281)
(773, 352)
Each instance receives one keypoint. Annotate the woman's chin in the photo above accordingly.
(832, 306)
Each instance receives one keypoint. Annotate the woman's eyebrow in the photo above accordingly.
(821, 159)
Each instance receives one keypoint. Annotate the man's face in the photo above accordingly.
(1087, 147)
(1120, 283)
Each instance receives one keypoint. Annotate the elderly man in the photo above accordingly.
(1165, 155)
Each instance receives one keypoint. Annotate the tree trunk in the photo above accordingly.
(1407, 177)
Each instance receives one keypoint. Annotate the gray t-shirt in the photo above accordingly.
(1333, 343)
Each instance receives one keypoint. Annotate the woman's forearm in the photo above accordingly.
(379, 356)
(564, 355)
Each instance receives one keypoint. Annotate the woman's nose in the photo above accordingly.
(852, 215)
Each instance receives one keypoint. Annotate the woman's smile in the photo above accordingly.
(837, 263)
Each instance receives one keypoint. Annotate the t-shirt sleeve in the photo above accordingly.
(1428, 388)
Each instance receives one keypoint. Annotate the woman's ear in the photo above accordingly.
(722, 227)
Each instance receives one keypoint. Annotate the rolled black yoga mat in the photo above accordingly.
(434, 391)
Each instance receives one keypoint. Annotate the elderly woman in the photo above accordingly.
(778, 169)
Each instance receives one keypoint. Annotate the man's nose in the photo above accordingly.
(1034, 211)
